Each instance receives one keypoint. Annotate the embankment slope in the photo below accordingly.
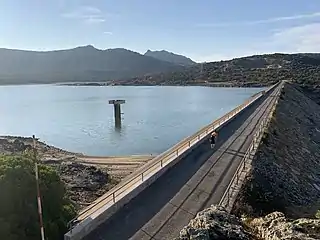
(285, 172)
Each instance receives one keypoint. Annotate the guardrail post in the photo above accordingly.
(177, 152)
(114, 198)
(189, 143)
(161, 163)
(142, 177)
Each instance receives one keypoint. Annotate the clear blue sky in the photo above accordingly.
(203, 30)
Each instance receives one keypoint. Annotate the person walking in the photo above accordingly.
(213, 139)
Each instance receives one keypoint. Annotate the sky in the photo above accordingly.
(204, 30)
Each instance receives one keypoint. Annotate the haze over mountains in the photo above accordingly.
(78, 65)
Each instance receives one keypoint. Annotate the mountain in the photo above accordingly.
(255, 70)
(170, 57)
(79, 64)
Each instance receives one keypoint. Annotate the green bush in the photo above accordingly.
(18, 202)
(318, 214)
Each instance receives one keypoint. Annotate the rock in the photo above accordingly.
(12, 146)
(214, 223)
(84, 183)
(275, 226)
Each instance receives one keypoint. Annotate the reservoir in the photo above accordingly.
(80, 119)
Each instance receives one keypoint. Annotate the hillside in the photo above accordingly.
(124, 67)
(79, 64)
(260, 69)
(170, 57)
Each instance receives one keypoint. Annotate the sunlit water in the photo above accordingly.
(80, 119)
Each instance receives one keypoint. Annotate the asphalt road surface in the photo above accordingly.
(193, 184)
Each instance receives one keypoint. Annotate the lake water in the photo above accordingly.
(80, 119)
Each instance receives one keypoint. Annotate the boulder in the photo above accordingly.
(275, 226)
(214, 223)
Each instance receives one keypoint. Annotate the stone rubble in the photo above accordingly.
(214, 223)
(84, 183)
(275, 226)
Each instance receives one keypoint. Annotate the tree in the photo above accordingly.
(19, 217)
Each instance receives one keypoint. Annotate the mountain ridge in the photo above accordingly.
(119, 66)
(170, 57)
(83, 63)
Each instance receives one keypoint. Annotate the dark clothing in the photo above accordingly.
(213, 140)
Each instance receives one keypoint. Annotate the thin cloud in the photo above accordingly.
(303, 38)
(263, 21)
(87, 14)
(108, 33)
(94, 20)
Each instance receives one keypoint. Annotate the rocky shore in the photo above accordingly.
(84, 182)
(86, 177)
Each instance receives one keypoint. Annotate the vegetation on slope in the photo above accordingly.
(19, 217)
(260, 69)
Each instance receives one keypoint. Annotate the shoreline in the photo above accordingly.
(86, 177)
(212, 84)
(113, 84)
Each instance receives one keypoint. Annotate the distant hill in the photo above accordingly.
(170, 57)
(246, 71)
(79, 64)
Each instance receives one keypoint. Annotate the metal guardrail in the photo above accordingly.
(225, 200)
(163, 159)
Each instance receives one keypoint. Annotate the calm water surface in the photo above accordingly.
(80, 119)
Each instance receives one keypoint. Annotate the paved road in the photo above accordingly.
(196, 182)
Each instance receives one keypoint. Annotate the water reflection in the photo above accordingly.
(117, 126)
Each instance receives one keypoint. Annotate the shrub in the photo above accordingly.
(18, 203)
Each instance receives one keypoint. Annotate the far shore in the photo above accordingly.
(204, 84)
(120, 83)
